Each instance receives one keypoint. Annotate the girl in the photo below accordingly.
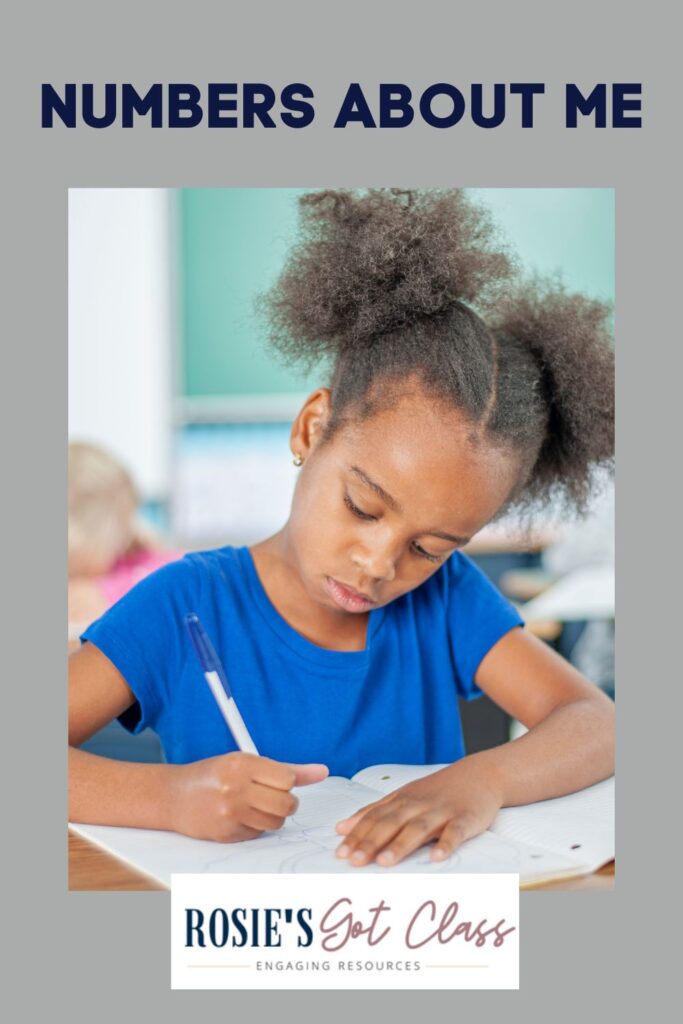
(348, 635)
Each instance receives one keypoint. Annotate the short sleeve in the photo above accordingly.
(478, 616)
(142, 635)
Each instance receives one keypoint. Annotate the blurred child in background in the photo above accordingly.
(110, 549)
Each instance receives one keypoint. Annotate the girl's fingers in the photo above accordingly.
(278, 802)
(261, 820)
(450, 839)
(377, 829)
(271, 773)
(281, 775)
(346, 824)
(306, 774)
(412, 836)
(243, 832)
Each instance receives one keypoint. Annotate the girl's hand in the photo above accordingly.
(450, 806)
(236, 796)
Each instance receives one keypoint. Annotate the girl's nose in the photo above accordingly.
(376, 564)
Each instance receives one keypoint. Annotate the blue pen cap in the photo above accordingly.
(204, 649)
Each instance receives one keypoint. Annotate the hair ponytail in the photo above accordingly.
(393, 286)
(570, 385)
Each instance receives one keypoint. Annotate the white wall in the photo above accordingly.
(120, 324)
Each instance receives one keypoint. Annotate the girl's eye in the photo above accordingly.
(366, 515)
(355, 510)
(425, 554)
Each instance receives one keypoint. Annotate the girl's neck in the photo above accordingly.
(276, 568)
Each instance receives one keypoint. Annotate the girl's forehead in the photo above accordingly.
(432, 462)
(416, 431)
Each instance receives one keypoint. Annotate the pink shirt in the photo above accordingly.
(130, 569)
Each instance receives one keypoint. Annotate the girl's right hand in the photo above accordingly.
(236, 796)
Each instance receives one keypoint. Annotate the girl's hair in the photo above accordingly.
(103, 503)
(391, 284)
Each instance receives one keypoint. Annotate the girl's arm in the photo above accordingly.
(570, 745)
(227, 798)
(101, 790)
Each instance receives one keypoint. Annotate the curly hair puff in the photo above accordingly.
(389, 284)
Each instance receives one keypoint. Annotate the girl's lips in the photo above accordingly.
(349, 600)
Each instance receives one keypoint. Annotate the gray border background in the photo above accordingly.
(106, 956)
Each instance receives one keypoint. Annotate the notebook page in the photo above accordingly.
(388, 777)
(308, 841)
(158, 854)
(579, 825)
(309, 850)
(329, 801)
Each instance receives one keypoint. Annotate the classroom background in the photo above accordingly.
(169, 372)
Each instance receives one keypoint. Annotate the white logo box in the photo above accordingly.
(284, 931)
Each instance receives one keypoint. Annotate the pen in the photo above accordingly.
(215, 676)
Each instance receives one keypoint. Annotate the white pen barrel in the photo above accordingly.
(239, 729)
(230, 712)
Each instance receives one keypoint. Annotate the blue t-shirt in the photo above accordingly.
(394, 702)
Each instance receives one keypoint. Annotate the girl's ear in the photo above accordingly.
(309, 425)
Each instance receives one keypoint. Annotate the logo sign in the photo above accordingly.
(330, 931)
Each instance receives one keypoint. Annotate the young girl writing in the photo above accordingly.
(348, 636)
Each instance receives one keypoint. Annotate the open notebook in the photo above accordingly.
(570, 835)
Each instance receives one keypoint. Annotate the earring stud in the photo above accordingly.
(298, 459)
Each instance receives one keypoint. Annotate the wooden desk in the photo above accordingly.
(90, 869)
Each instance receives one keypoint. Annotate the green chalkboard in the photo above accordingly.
(233, 242)
(232, 246)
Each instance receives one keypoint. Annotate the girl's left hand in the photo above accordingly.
(450, 806)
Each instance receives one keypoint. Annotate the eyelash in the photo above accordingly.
(359, 514)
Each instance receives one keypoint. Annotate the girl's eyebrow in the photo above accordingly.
(396, 507)
(379, 491)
